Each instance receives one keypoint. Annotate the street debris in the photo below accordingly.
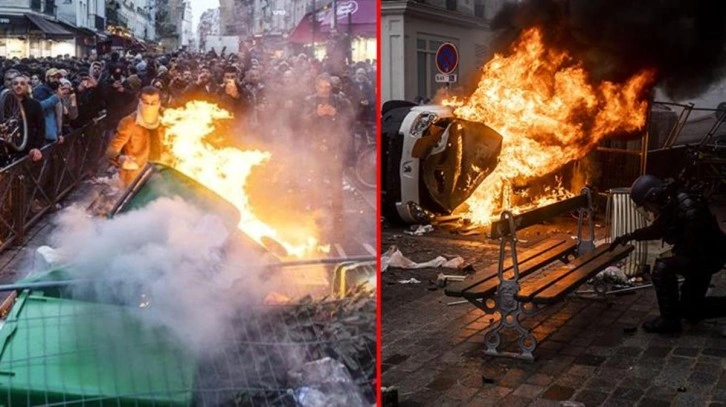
(411, 280)
(394, 258)
(443, 279)
(326, 358)
(46, 257)
(612, 275)
(419, 230)
(457, 303)
(324, 382)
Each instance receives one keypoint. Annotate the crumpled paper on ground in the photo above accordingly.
(394, 258)
(420, 230)
(409, 281)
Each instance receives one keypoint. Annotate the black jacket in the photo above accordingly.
(35, 122)
(686, 222)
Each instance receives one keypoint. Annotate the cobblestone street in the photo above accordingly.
(588, 354)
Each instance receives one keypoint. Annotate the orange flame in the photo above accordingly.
(223, 170)
(541, 101)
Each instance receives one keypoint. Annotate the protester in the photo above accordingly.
(139, 136)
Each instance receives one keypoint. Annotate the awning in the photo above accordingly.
(355, 17)
(48, 27)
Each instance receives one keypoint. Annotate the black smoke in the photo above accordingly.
(683, 40)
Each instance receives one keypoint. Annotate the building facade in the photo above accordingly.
(187, 30)
(411, 33)
(30, 28)
(86, 19)
(174, 23)
(138, 16)
(209, 24)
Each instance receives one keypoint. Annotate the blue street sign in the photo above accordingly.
(447, 58)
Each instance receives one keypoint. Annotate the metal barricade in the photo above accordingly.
(622, 217)
(29, 190)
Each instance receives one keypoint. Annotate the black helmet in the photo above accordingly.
(647, 188)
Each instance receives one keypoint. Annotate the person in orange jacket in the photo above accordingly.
(138, 137)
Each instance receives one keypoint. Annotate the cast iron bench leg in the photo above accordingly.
(510, 310)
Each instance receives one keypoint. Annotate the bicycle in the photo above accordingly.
(13, 123)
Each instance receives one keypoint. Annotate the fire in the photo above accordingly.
(541, 101)
(224, 170)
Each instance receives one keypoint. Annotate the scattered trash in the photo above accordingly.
(682, 389)
(457, 302)
(613, 275)
(394, 258)
(419, 230)
(419, 214)
(47, 257)
(454, 263)
(409, 281)
(442, 279)
(324, 382)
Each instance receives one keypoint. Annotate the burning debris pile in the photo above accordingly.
(312, 353)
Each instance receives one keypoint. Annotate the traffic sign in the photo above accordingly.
(443, 78)
(447, 58)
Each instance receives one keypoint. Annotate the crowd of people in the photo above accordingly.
(261, 89)
(310, 107)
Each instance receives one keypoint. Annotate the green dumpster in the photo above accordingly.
(66, 352)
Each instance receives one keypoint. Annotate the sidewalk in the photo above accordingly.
(587, 353)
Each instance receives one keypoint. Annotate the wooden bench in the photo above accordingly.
(522, 282)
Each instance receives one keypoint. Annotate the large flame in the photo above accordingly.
(224, 170)
(541, 101)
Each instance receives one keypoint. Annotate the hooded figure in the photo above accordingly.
(139, 136)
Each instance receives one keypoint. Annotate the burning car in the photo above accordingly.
(432, 161)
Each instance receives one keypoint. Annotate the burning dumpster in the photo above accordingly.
(168, 302)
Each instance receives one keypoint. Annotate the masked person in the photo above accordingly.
(139, 136)
(683, 220)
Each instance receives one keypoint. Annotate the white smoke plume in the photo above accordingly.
(173, 261)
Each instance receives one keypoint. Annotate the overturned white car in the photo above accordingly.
(431, 162)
